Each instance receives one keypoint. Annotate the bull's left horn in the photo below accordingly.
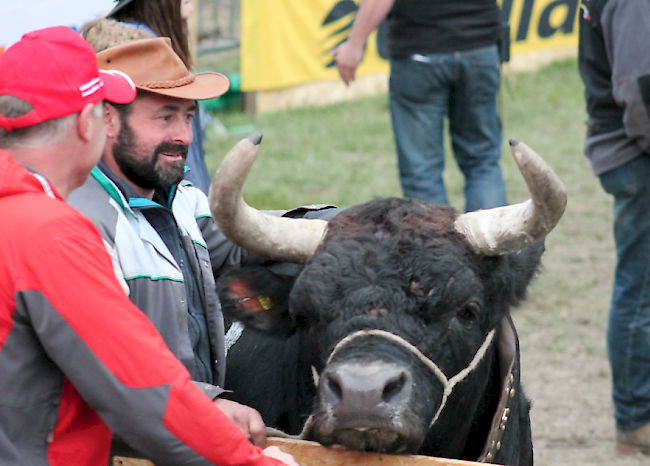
(507, 229)
(278, 238)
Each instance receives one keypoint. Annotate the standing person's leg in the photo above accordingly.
(628, 336)
(475, 127)
(418, 98)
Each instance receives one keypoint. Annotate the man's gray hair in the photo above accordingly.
(45, 133)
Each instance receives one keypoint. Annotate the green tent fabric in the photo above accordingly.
(231, 99)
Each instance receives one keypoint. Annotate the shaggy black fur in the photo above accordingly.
(397, 265)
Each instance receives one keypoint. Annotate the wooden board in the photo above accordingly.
(314, 454)
(123, 461)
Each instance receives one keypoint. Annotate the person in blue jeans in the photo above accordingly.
(615, 67)
(628, 336)
(444, 62)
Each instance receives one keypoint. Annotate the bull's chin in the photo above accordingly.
(371, 439)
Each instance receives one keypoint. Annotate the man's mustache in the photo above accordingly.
(170, 148)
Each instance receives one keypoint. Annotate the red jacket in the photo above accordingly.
(78, 360)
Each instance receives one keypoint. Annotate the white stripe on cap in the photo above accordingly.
(91, 87)
(120, 73)
(89, 84)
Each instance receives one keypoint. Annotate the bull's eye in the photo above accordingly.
(301, 321)
(468, 313)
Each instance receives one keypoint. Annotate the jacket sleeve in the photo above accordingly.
(627, 35)
(223, 252)
(116, 360)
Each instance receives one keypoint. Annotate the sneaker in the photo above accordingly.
(633, 441)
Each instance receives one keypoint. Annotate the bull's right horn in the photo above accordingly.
(278, 238)
(507, 229)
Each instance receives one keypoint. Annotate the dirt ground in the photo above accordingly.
(562, 331)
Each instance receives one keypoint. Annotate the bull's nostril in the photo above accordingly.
(393, 388)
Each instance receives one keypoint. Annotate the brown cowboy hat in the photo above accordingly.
(153, 66)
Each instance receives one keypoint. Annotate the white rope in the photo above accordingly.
(234, 332)
(448, 384)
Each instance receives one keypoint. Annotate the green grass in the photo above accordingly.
(344, 154)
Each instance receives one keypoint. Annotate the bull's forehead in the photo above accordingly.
(429, 258)
(394, 216)
(354, 276)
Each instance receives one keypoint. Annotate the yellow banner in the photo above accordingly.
(541, 24)
(287, 42)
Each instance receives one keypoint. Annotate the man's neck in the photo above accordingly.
(46, 162)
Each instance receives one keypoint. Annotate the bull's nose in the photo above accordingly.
(365, 391)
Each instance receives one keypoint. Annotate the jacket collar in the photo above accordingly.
(16, 178)
(126, 196)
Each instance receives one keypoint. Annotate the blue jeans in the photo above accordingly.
(628, 335)
(463, 85)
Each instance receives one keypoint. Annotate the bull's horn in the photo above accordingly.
(278, 238)
(507, 229)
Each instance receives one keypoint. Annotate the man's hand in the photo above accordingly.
(276, 453)
(348, 55)
(247, 419)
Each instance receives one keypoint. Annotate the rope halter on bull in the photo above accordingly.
(448, 384)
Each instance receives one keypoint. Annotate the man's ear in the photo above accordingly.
(111, 120)
(86, 122)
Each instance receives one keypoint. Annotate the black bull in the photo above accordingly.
(396, 335)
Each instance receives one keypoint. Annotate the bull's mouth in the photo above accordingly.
(397, 436)
(371, 439)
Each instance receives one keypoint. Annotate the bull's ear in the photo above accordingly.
(257, 297)
(514, 273)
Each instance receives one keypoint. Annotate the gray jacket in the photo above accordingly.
(149, 273)
(613, 57)
(147, 270)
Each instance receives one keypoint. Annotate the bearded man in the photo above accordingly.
(157, 227)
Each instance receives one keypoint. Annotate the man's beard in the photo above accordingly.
(147, 173)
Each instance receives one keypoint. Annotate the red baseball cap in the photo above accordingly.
(55, 70)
